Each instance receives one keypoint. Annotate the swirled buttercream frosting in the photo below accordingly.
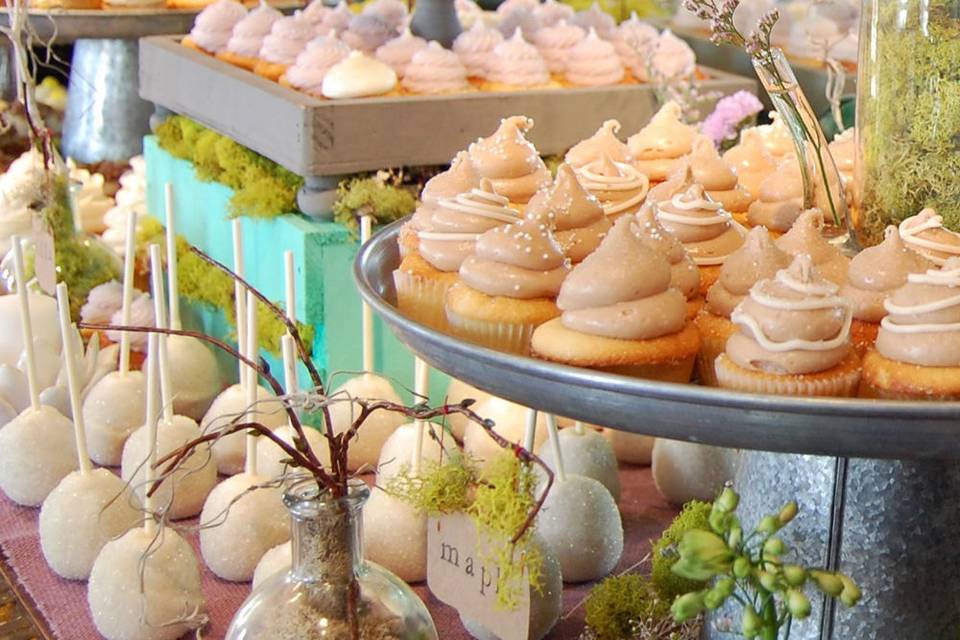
(517, 63)
(577, 219)
(510, 161)
(338, 19)
(804, 237)
(635, 41)
(751, 160)
(775, 136)
(618, 186)
(597, 19)
(459, 178)
(794, 323)
(307, 73)
(684, 274)
(556, 42)
(707, 232)
(593, 62)
(475, 46)
(399, 52)
(758, 259)
(604, 141)
(392, 12)
(925, 234)
(214, 26)
(287, 38)
(551, 12)
(434, 69)
(358, 76)
(248, 34)
(708, 168)
(657, 147)
(673, 59)
(780, 198)
(368, 32)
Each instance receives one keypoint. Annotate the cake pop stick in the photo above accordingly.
(128, 260)
(251, 381)
(160, 311)
(239, 296)
(26, 324)
(73, 382)
(173, 282)
(421, 383)
(367, 318)
(555, 447)
(530, 430)
(149, 501)
(579, 428)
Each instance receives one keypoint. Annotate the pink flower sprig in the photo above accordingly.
(718, 14)
(730, 114)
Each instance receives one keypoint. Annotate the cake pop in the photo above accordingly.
(13, 387)
(457, 392)
(89, 507)
(510, 421)
(580, 522)
(37, 448)
(43, 320)
(685, 471)
(278, 559)
(244, 515)
(586, 453)
(630, 448)
(395, 455)
(114, 407)
(146, 584)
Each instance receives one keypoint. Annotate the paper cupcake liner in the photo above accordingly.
(421, 299)
(678, 371)
(714, 333)
(501, 336)
(842, 381)
(864, 335)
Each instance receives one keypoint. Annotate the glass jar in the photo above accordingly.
(331, 593)
(908, 112)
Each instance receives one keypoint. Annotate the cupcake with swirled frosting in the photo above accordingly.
(246, 38)
(751, 161)
(520, 19)
(338, 19)
(400, 51)
(635, 42)
(435, 70)
(131, 196)
(287, 38)
(684, 273)
(510, 161)
(475, 46)
(673, 60)
(555, 44)
(658, 148)
(917, 356)
(776, 137)
(311, 66)
(717, 177)
(358, 76)
(315, 12)
(515, 65)
(90, 203)
(780, 198)
(758, 259)
(793, 338)
(597, 19)
(604, 141)
(925, 234)
(508, 287)
(550, 12)
(805, 237)
(392, 12)
(214, 25)
(367, 33)
(593, 63)
(620, 314)
(618, 186)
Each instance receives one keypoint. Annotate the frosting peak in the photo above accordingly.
(751, 160)
(214, 26)
(400, 51)
(708, 168)
(684, 274)
(925, 234)
(780, 197)
(758, 259)
(555, 43)
(248, 34)
(515, 62)
(805, 238)
(707, 232)
(604, 141)
(474, 47)
(459, 178)
(576, 216)
(618, 186)
(434, 69)
(510, 161)
(593, 62)
(665, 136)
(598, 19)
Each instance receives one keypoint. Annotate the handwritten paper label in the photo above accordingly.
(458, 577)
(44, 261)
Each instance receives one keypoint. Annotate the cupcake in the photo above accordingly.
(435, 70)
(247, 37)
(716, 176)
(555, 43)
(620, 314)
(90, 203)
(423, 277)
(593, 63)
(287, 38)
(618, 186)
(338, 19)
(758, 259)
(475, 46)
(510, 161)
(604, 141)
(367, 33)
(776, 137)
(793, 338)
(508, 287)
(873, 275)
(508, 6)
(658, 148)
(316, 12)
(576, 217)
(393, 13)
(515, 65)
(214, 25)
(358, 76)
(311, 66)
(925, 234)
(550, 12)
(635, 41)
(684, 274)
(708, 233)
(750, 160)
(780, 198)
(399, 52)
(673, 60)
(805, 238)
(520, 19)
(917, 356)
(677, 182)
(597, 19)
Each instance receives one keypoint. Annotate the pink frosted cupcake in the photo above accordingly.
(636, 41)
(510, 161)
(461, 177)
(619, 186)
(435, 70)
(287, 38)
(515, 65)
(399, 52)
(551, 12)
(367, 33)
(214, 26)
(311, 66)
(520, 19)
(247, 37)
(593, 63)
(597, 19)
(717, 177)
(475, 47)
(659, 147)
(673, 59)
(555, 43)
(316, 12)
(392, 12)
(338, 19)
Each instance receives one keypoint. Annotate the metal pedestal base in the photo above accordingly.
(890, 525)
(105, 118)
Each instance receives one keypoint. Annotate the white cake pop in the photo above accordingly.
(685, 471)
(146, 586)
(7, 413)
(13, 387)
(631, 448)
(278, 559)
(47, 356)
(458, 391)
(395, 536)
(586, 453)
(229, 451)
(509, 421)
(395, 454)
(365, 447)
(43, 318)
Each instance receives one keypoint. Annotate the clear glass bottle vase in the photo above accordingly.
(822, 185)
(331, 592)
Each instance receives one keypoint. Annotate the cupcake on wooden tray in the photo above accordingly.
(508, 287)
(621, 315)
(673, 60)
(550, 12)
(597, 19)
(423, 277)
(780, 198)
(619, 186)
(925, 234)
(475, 46)
(604, 141)
(315, 12)
(393, 13)
(758, 259)
(368, 32)
(288, 36)
(708, 233)
(636, 41)
(751, 161)
(311, 66)
(337, 19)
(576, 217)
(434, 70)
(400, 51)
(793, 338)
(593, 63)
(805, 238)
(516, 65)
(247, 37)
(510, 161)
(717, 177)
(874, 274)
(684, 274)
(214, 25)
(659, 147)
(359, 76)
(555, 44)
(917, 356)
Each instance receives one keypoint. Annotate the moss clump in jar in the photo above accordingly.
(909, 115)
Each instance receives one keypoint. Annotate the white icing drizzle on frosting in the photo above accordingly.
(936, 277)
(910, 234)
(477, 203)
(629, 179)
(693, 203)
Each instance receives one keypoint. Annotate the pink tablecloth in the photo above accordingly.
(63, 604)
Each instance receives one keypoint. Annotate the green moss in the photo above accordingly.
(437, 489)
(621, 10)
(371, 196)
(262, 188)
(616, 607)
(669, 585)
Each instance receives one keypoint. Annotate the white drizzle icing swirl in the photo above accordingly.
(477, 202)
(910, 231)
(629, 179)
(935, 277)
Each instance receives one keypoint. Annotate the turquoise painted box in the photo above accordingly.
(327, 297)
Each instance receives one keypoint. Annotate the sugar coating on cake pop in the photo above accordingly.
(46, 327)
(276, 560)
(685, 471)
(82, 514)
(397, 451)
(588, 454)
(509, 421)
(7, 413)
(47, 356)
(13, 387)
(194, 373)
(270, 457)
(395, 536)
(146, 586)
(230, 451)
(37, 450)
(365, 447)
(581, 525)
(113, 409)
(57, 397)
(182, 493)
(631, 448)
(457, 392)
(240, 525)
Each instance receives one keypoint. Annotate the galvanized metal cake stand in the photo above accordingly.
(877, 481)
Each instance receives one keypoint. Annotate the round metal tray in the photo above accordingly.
(823, 426)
